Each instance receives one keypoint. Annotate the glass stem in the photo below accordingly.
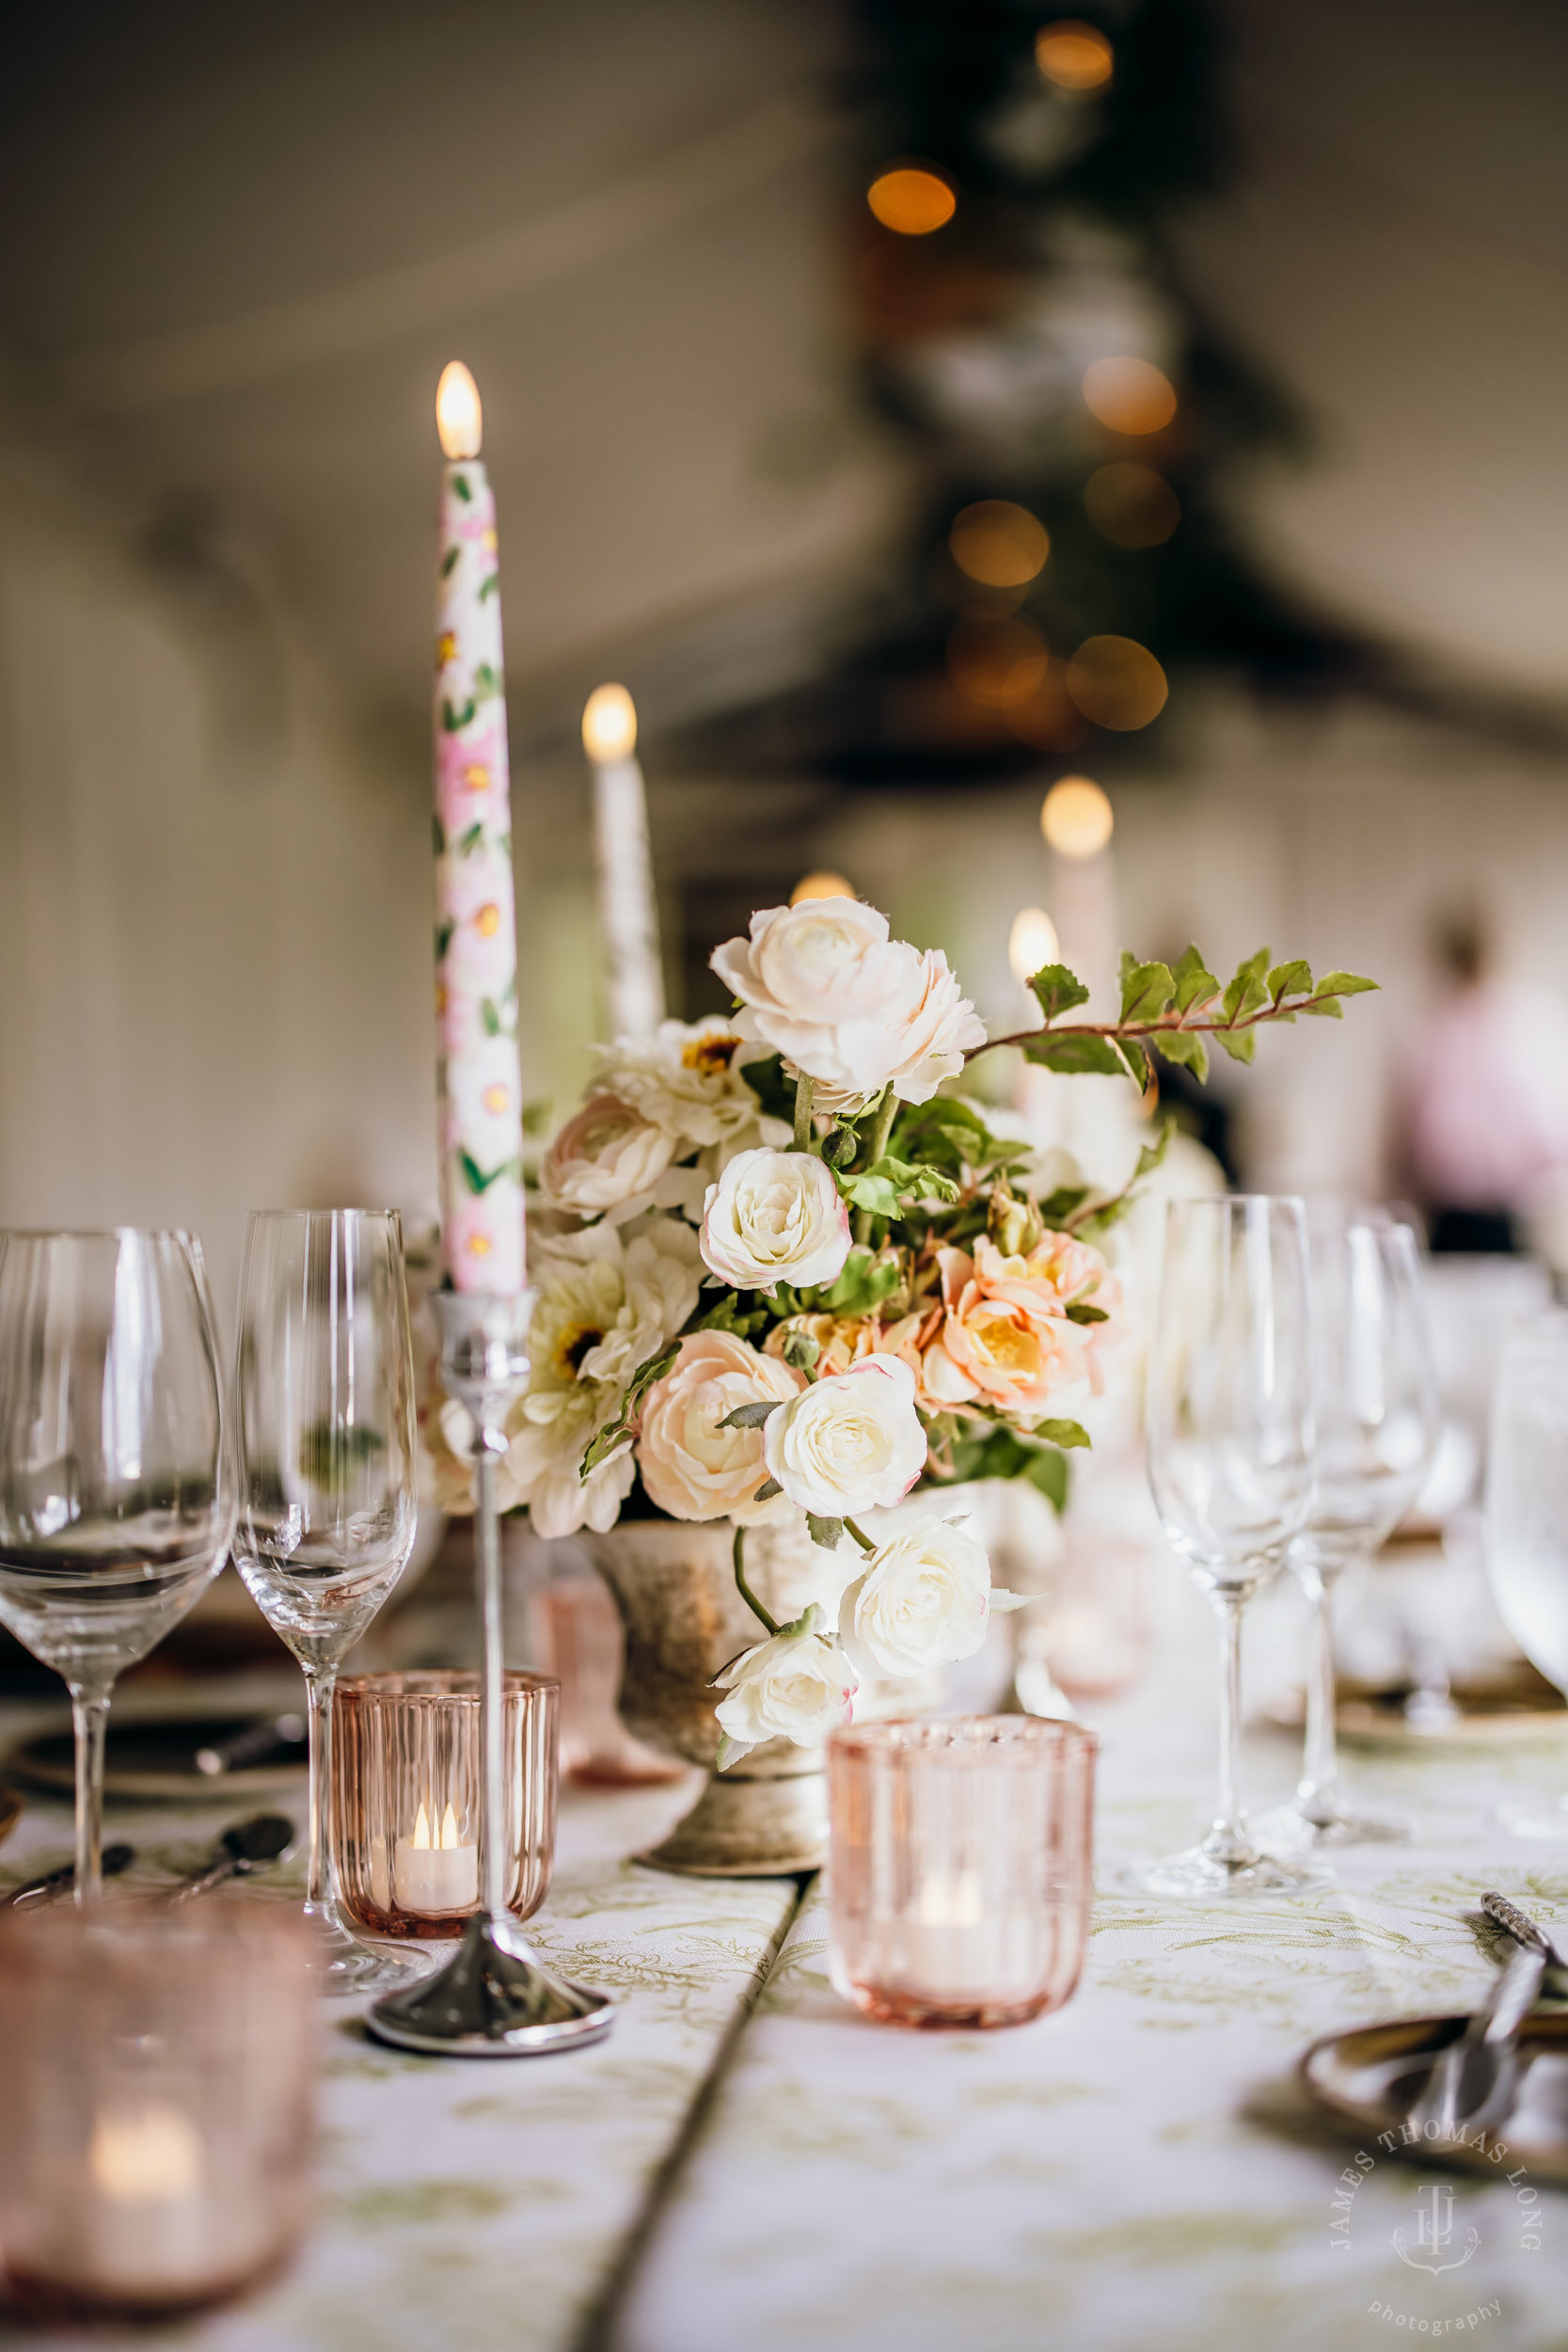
(1315, 1792)
(320, 1683)
(492, 1840)
(1228, 1841)
(89, 1715)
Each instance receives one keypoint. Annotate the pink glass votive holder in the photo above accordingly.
(159, 2070)
(961, 1868)
(407, 1783)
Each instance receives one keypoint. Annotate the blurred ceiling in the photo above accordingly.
(241, 243)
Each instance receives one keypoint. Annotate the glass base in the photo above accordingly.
(1286, 1830)
(340, 1964)
(1207, 1874)
(1549, 1823)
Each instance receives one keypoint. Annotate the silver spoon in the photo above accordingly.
(1472, 2082)
(243, 1847)
(56, 1882)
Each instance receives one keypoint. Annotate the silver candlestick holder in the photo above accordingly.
(495, 1998)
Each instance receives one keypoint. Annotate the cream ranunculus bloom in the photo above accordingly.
(605, 1305)
(852, 1442)
(603, 1157)
(775, 1217)
(922, 1600)
(691, 1466)
(825, 986)
(796, 1685)
(688, 1080)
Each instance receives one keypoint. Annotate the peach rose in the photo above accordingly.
(841, 1340)
(691, 1467)
(607, 1154)
(998, 1350)
(1059, 1273)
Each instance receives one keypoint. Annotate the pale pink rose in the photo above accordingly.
(995, 1351)
(605, 1155)
(692, 1467)
(937, 1025)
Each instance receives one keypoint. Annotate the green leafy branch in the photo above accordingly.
(608, 1438)
(1175, 1012)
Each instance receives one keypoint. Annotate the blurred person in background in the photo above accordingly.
(1482, 1105)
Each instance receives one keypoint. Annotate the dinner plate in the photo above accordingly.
(1510, 1705)
(153, 1757)
(1357, 2075)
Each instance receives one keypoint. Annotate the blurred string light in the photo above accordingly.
(1130, 395)
(998, 544)
(1076, 818)
(1116, 682)
(1032, 944)
(1074, 57)
(996, 659)
(911, 200)
(826, 884)
(610, 724)
(1132, 506)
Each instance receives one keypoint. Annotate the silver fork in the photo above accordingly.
(1473, 2080)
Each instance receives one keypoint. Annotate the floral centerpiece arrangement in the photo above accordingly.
(784, 1269)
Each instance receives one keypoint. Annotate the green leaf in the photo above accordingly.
(439, 835)
(443, 938)
(651, 1368)
(1344, 984)
(468, 841)
(475, 1177)
(1290, 979)
(1239, 1045)
(914, 1178)
(1109, 1212)
(453, 720)
(489, 1013)
(460, 484)
(1184, 1046)
(1196, 985)
(449, 561)
(765, 1493)
(1078, 1056)
(1080, 1312)
(537, 1118)
(1049, 1472)
(1250, 991)
(1136, 1060)
(1002, 1453)
(1066, 1432)
(1059, 1206)
(1059, 990)
(868, 1192)
(727, 1316)
(865, 1281)
(827, 1532)
(1147, 989)
(489, 587)
(774, 1091)
(750, 1416)
(1324, 1008)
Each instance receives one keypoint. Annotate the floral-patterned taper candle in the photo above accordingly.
(479, 1077)
(628, 912)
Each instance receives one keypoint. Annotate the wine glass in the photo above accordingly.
(326, 1471)
(114, 1508)
(1376, 1418)
(1527, 1515)
(1230, 1429)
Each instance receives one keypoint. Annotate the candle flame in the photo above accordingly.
(422, 1831)
(448, 1838)
(459, 419)
(610, 724)
(144, 2154)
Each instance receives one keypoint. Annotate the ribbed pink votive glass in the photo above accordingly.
(960, 1867)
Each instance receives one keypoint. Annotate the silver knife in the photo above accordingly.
(1471, 2086)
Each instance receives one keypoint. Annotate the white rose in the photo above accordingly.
(796, 1685)
(775, 1217)
(825, 986)
(603, 1157)
(852, 1442)
(922, 1600)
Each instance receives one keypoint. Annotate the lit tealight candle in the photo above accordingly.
(956, 1948)
(431, 1875)
(628, 910)
(141, 2227)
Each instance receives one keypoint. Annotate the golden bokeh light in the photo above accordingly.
(1032, 944)
(1075, 57)
(1132, 506)
(1130, 395)
(459, 417)
(911, 200)
(610, 724)
(1116, 682)
(1076, 817)
(998, 544)
(826, 884)
(996, 659)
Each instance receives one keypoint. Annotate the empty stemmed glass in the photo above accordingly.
(1230, 1415)
(114, 1513)
(1526, 1518)
(325, 1448)
(1375, 1414)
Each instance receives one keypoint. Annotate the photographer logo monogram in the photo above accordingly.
(1433, 2240)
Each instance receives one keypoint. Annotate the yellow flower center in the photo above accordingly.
(479, 1244)
(477, 777)
(487, 922)
(709, 1055)
(495, 1100)
(576, 1342)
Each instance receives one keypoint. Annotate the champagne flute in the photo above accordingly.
(1527, 1516)
(114, 1507)
(1229, 1427)
(325, 1447)
(1375, 1413)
